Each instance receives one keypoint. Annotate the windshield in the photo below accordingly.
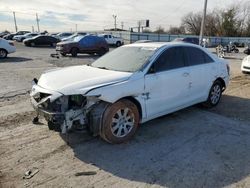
(125, 59)
(78, 38)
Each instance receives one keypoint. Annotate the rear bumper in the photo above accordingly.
(11, 49)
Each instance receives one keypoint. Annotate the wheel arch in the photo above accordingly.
(222, 82)
(78, 49)
(95, 116)
(136, 102)
(4, 50)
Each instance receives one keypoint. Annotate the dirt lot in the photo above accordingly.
(194, 147)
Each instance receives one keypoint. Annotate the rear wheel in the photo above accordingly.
(101, 51)
(120, 122)
(214, 94)
(118, 43)
(3, 53)
(236, 50)
(74, 52)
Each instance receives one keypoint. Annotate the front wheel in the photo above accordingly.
(74, 52)
(120, 122)
(214, 94)
(101, 51)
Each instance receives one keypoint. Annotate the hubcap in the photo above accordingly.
(122, 122)
(215, 94)
(2, 53)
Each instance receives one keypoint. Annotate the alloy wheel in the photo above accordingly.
(122, 122)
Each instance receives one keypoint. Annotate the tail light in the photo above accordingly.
(228, 69)
(11, 43)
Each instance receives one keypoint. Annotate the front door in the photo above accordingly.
(167, 83)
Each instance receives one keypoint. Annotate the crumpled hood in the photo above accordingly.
(79, 79)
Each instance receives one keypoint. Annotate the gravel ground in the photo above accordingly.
(194, 147)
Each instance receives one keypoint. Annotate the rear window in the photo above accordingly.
(196, 56)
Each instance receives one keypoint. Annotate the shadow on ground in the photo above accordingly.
(189, 148)
(233, 107)
(14, 60)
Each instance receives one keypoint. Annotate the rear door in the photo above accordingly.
(167, 83)
(87, 44)
(203, 71)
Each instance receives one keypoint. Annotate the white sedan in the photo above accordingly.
(128, 86)
(245, 66)
(6, 47)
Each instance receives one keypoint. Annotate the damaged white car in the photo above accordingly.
(128, 86)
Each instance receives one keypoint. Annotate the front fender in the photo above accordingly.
(114, 92)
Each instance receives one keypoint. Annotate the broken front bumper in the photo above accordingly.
(54, 117)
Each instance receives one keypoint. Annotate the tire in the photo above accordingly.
(236, 50)
(74, 52)
(54, 126)
(51, 125)
(245, 72)
(101, 51)
(118, 43)
(32, 44)
(214, 94)
(3, 53)
(120, 122)
(63, 54)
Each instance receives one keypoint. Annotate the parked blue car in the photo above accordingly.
(88, 44)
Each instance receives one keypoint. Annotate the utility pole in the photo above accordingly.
(37, 21)
(122, 25)
(114, 16)
(14, 14)
(139, 26)
(203, 22)
(76, 27)
(33, 29)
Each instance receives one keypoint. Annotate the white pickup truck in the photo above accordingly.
(112, 40)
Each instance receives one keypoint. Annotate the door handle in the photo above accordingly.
(185, 74)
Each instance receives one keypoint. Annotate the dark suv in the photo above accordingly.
(88, 44)
(193, 40)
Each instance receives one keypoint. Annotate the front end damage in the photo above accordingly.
(64, 113)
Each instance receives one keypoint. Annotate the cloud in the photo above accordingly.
(97, 14)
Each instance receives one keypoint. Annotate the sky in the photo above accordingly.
(89, 15)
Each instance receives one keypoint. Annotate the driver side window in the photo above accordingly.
(171, 58)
